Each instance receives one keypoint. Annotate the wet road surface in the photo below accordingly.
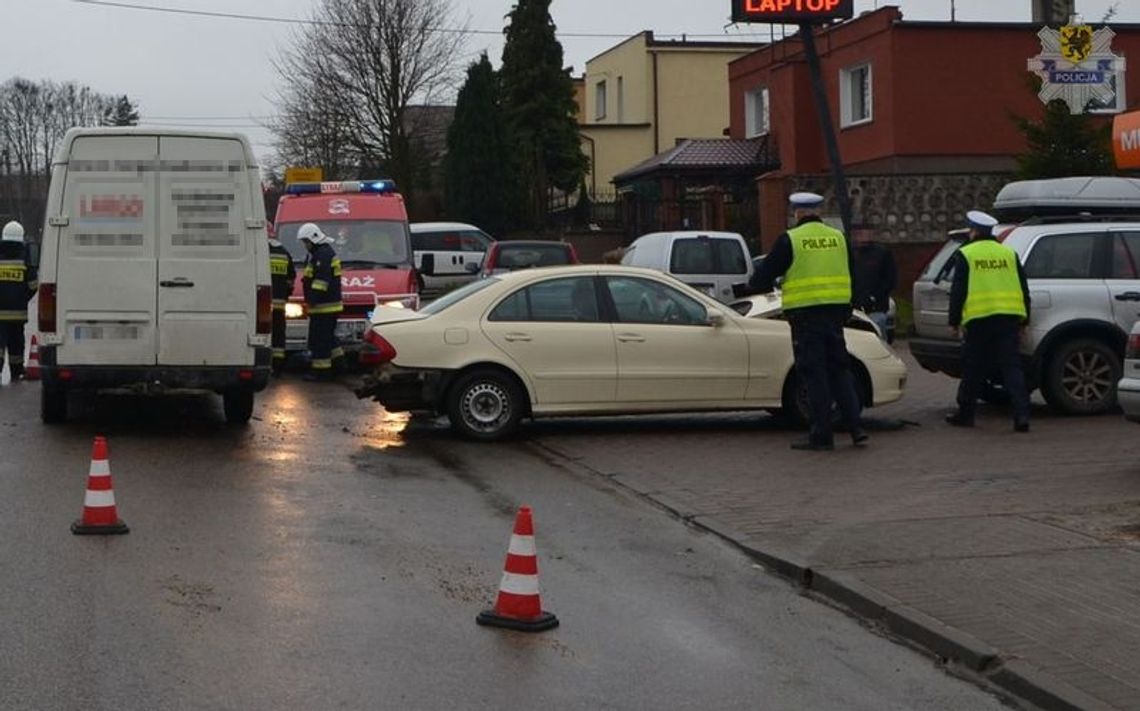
(332, 556)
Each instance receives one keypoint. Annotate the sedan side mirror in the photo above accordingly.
(427, 264)
(715, 319)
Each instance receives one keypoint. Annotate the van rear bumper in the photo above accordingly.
(185, 377)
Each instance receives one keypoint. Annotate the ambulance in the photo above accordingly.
(368, 223)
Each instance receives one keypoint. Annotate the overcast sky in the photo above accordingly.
(198, 71)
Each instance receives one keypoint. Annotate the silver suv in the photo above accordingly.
(1084, 283)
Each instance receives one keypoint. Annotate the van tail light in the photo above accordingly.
(1133, 346)
(377, 350)
(47, 307)
(264, 309)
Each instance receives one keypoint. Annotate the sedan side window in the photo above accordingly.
(646, 301)
(1070, 256)
(556, 300)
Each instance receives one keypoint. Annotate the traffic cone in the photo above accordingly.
(518, 606)
(32, 369)
(100, 517)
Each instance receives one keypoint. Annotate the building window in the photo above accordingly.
(621, 100)
(756, 112)
(600, 101)
(855, 95)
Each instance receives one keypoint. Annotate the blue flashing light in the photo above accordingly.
(339, 187)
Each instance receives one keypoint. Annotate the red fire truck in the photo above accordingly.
(369, 225)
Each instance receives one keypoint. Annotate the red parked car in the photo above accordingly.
(509, 255)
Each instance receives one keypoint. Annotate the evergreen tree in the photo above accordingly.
(538, 97)
(1065, 144)
(121, 112)
(477, 177)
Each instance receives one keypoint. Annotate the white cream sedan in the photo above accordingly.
(593, 340)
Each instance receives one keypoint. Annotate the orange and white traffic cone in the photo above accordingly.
(32, 369)
(519, 606)
(100, 517)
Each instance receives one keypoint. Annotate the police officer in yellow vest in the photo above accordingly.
(815, 261)
(17, 286)
(989, 300)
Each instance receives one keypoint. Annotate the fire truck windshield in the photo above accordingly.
(357, 242)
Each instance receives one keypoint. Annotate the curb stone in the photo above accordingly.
(1030, 683)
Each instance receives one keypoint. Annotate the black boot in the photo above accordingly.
(960, 419)
(17, 372)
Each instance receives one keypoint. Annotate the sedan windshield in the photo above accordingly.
(456, 296)
(358, 243)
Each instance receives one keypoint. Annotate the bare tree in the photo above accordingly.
(34, 116)
(350, 76)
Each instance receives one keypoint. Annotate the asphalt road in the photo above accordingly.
(331, 556)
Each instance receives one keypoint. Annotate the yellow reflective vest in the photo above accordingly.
(994, 287)
(820, 274)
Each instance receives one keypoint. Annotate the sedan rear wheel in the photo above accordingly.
(485, 405)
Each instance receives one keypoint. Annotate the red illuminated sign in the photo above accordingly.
(791, 11)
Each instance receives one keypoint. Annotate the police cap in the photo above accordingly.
(981, 221)
(803, 200)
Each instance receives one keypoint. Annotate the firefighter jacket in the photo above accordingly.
(282, 272)
(322, 281)
(17, 282)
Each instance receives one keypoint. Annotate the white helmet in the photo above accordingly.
(13, 232)
(309, 232)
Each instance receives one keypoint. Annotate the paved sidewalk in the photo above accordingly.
(1017, 557)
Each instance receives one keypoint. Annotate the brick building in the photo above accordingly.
(923, 113)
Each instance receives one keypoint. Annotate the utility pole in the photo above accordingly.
(823, 108)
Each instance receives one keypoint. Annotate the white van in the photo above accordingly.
(712, 262)
(154, 271)
(458, 248)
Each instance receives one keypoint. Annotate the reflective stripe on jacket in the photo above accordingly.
(820, 273)
(282, 273)
(18, 282)
(994, 287)
(321, 280)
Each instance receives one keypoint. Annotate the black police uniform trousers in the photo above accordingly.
(12, 339)
(992, 342)
(322, 341)
(824, 366)
(279, 325)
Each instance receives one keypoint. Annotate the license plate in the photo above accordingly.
(106, 333)
(351, 330)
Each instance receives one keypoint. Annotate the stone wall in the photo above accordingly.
(909, 209)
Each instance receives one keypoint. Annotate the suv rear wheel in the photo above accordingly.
(1081, 377)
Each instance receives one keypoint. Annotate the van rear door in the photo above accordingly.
(207, 277)
(106, 255)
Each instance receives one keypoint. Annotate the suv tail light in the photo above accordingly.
(489, 260)
(47, 307)
(1133, 350)
(264, 309)
(380, 351)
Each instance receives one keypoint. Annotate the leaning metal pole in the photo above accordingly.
(828, 128)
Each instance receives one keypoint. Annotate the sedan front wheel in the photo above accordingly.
(485, 405)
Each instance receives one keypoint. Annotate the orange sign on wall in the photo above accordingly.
(1126, 140)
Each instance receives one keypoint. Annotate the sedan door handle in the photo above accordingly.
(179, 282)
(514, 337)
(1129, 296)
(630, 338)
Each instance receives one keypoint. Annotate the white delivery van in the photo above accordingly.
(456, 246)
(154, 270)
(713, 262)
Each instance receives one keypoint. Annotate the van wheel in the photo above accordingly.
(238, 405)
(53, 405)
(1081, 377)
(485, 405)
